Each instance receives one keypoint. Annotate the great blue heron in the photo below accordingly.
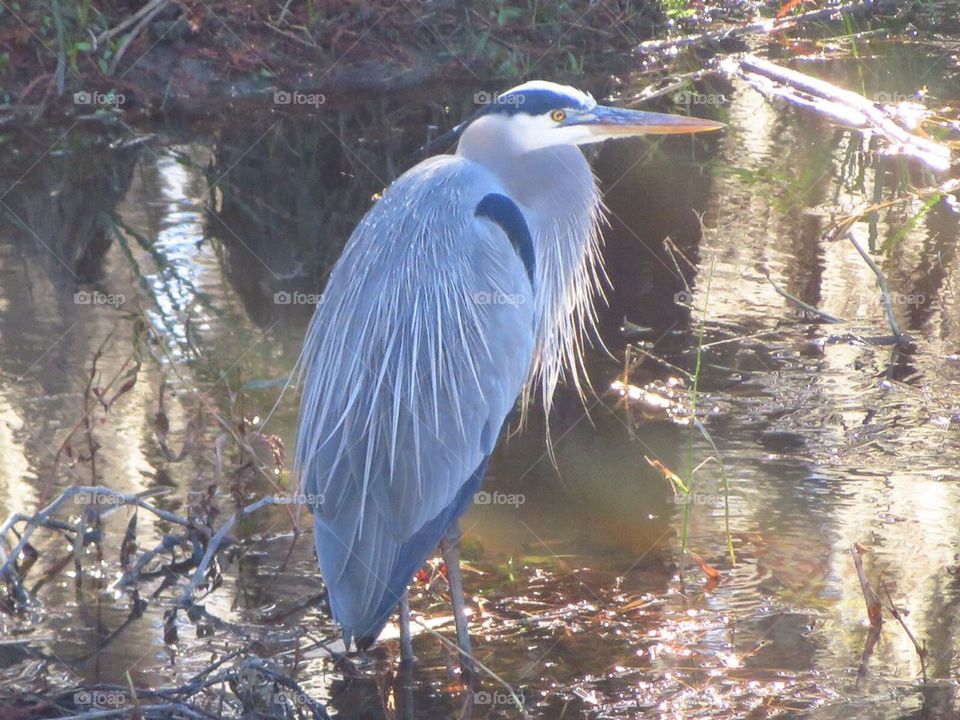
(469, 283)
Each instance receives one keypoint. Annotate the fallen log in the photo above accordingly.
(838, 104)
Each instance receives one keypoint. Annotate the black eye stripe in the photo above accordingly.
(533, 102)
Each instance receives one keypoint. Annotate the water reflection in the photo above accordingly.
(209, 233)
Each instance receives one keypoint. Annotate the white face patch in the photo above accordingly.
(520, 133)
(529, 117)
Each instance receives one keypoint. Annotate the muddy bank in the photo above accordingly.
(161, 56)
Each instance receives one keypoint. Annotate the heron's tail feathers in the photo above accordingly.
(366, 581)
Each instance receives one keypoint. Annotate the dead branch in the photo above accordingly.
(843, 106)
(134, 33)
(42, 518)
(259, 689)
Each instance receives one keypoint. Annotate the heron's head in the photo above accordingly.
(542, 114)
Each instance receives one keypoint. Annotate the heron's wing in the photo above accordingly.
(415, 356)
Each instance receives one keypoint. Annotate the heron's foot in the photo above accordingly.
(345, 664)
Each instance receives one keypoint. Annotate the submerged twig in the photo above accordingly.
(884, 291)
(921, 649)
(869, 596)
(807, 308)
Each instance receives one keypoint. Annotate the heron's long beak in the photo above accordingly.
(620, 122)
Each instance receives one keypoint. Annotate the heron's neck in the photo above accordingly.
(557, 192)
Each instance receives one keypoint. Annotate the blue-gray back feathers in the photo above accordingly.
(416, 354)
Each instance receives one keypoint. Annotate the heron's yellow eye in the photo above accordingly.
(558, 116)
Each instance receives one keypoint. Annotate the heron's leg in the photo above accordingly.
(406, 639)
(450, 547)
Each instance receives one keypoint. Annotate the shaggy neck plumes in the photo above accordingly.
(556, 189)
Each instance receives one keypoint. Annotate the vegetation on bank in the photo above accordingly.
(52, 48)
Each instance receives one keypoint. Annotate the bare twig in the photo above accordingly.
(154, 7)
(810, 309)
(42, 517)
(869, 596)
(884, 292)
(921, 649)
(674, 83)
(133, 574)
(150, 7)
(186, 598)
